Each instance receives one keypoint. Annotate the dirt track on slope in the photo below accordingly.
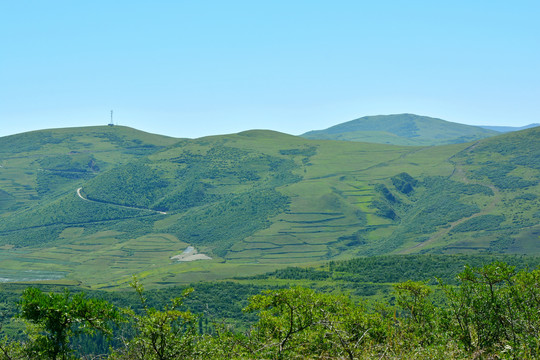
(458, 171)
(119, 205)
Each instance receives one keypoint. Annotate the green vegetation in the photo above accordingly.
(385, 270)
(167, 334)
(488, 312)
(44, 164)
(135, 184)
(274, 224)
(485, 222)
(402, 129)
(58, 317)
(115, 198)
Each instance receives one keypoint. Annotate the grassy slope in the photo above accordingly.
(257, 200)
(510, 166)
(402, 129)
(45, 163)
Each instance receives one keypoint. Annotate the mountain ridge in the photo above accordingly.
(504, 129)
(402, 129)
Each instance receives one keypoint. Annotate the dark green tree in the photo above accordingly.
(300, 322)
(159, 335)
(58, 317)
(413, 297)
(480, 309)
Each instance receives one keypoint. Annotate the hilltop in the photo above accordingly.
(402, 129)
(78, 200)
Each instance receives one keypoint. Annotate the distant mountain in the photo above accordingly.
(504, 129)
(100, 204)
(402, 129)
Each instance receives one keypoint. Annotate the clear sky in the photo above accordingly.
(204, 67)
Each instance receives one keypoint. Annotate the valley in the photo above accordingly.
(76, 201)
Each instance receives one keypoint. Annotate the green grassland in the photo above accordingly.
(254, 202)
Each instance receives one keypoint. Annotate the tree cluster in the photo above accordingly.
(492, 312)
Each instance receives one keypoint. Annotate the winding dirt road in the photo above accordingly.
(123, 206)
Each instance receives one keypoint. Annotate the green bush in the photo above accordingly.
(483, 222)
(490, 312)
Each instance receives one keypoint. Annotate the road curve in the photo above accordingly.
(124, 206)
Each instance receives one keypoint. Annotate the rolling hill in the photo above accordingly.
(253, 202)
(42, 164)
(402, 129)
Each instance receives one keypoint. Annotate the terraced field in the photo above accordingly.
(253, 202)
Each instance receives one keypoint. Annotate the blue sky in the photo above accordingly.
(204, 67)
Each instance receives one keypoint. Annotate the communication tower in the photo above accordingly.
(111, 123)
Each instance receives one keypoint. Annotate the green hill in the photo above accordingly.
(41, 164)
(402, 129)
(256, 201)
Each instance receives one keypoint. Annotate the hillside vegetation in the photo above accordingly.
(78, 200)
(42, 164)
(402, 129)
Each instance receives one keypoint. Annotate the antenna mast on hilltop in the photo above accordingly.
(111, 123)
